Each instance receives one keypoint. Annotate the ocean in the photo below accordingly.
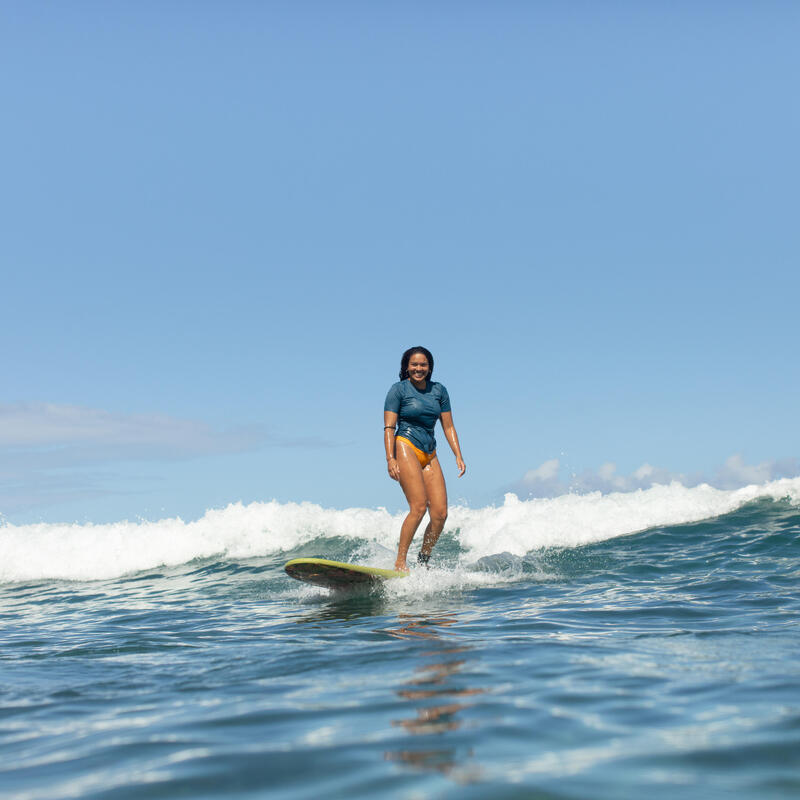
(642, 644)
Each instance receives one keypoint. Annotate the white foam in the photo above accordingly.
(571, 520)
(93, 552)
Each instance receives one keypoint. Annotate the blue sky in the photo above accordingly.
(222, 223)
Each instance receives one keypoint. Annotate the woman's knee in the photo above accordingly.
(417, 510)
(438, 516)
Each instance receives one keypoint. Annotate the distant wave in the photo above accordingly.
(94, 552)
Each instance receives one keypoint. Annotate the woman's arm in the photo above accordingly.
(452, 440)
(389, 425)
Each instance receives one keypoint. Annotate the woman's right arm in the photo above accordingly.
(389, 425)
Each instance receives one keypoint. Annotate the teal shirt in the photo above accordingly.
(417, 411)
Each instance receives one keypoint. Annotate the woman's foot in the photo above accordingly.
(423, 558)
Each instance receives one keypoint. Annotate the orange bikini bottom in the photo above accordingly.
(423, 457)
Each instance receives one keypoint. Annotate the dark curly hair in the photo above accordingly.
(407, 357)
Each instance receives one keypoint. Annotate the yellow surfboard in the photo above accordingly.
(337, 574)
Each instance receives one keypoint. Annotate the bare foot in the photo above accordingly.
(401, 566)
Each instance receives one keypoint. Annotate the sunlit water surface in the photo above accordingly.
(655, 664)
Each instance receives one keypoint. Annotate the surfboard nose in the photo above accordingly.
(337, 574)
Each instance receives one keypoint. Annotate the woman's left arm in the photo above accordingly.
(452, 440)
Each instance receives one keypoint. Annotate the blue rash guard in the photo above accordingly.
(417, 411)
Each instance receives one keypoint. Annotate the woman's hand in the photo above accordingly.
(389, 425)
(452, 440)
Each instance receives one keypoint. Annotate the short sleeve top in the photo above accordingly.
(417, 411)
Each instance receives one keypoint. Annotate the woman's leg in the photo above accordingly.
(414, 488)
(436, 491)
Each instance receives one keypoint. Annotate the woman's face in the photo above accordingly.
(418, 367)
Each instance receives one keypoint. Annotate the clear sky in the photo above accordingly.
(221, 223)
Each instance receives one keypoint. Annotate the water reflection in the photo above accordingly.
(439, 680)
(343, 606)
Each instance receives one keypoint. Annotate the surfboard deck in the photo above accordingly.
(337, 574)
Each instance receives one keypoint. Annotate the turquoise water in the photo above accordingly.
(659, 662)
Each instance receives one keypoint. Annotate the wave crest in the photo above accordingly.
(94, 552)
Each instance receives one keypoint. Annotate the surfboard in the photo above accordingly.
(337, 574)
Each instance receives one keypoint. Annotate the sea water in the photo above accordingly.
(642, 644)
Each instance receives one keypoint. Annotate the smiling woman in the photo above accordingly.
(409, 415)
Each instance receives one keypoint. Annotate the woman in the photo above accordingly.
(409, 415)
